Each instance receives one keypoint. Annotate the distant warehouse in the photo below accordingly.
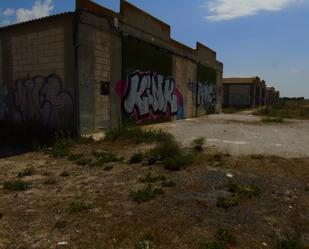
(95, 68)
(247, 92)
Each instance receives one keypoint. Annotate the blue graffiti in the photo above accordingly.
(43, 99)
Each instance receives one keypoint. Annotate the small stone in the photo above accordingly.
(264, 244)
(228, 175)
(62, 243)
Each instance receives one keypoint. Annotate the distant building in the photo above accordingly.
(272, 96)
(243, 92)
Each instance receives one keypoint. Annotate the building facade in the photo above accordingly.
(248, 92)
(94, 68)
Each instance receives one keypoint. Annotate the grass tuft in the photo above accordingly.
(77, 207)
(198, 143)
(17, 185)
(136, 158)
(145, 242)
(50, 181)
(26, 172)
(150, 178)
(289, 243)
(60, 224)
(146, 194)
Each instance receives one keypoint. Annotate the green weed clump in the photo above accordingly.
(224, 239)
(50, 181)
(26, 172)
(198, 143)
(227, 202)
(244, 191)
(62, 145)
(239, 192)
(77, 207)
(146, 194)
(17, 185)
(151, 178)
(145, 242)
(60, 224)
(99, 159)
(136, 158)
(172, 156)
(168, 184)
(289, 243)
(65, 174)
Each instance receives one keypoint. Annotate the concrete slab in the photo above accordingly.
(240, 134)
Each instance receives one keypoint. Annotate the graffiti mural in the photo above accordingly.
(3, 106)
(149, 96)
(43, 99)
(206, 96)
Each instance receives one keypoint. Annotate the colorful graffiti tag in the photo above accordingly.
(43, 99)
(3, 106)
(206, 95)
(149, 96)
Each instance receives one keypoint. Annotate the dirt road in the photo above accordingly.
(241, 134)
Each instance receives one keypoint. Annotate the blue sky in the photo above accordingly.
(267, 38)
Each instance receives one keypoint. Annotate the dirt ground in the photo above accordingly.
(181, 218)
(243, 134)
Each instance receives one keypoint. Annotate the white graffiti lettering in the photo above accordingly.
(206, 94)
(150, 92)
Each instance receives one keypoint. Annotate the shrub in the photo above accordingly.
(26, 172)
(75, 157)
(169, 184)
(150, 178)
(63, 143)
(65, 174)
(136, 158)
(77, 207)
(289, 243)
(244, 191)
(50, 181)
(212, 245)
(17, 185)
(146, 243)
(226, 237)
(227, 202)
(176, 162)
(106, 157)
(108, 168)
(146, 194)
(198, 144)
(60, 224)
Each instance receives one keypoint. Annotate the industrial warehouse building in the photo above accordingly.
(248, 92)
(94, 68)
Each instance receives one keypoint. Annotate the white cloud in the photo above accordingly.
(39, 9)
(9, 12)
(221, 10)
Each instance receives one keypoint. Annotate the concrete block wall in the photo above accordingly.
(38, 73)
(185, 76)
(102, 78)
(38, 53)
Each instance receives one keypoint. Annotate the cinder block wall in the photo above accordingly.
(38, 73)
(185, 76)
